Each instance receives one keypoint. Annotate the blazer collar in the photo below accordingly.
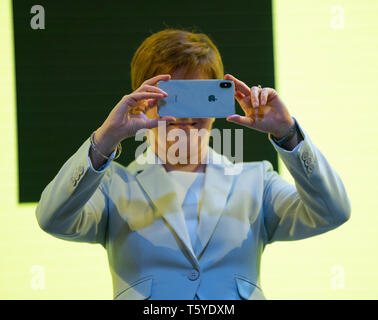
(156, 182)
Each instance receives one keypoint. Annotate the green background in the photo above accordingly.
(71, 74)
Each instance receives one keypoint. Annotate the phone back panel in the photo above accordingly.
(196, 99)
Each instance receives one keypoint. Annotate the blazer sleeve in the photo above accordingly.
(74, 205)
(316, 204)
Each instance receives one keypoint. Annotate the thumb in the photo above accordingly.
(244, 121)
(233, 118)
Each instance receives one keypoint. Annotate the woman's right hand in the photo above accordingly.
(128, 116)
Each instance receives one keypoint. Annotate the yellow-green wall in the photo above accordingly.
(327, 73)
(33, 264)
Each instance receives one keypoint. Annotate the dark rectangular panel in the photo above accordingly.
(71, 74)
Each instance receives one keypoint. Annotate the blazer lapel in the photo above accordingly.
(217, 185)
(215, 192)
(157, 184)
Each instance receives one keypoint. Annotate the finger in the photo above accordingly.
(242, 103)
(149, 88)
(239, 85)
(147, 105)
(134, 98)
(255, 96)
(156, 79)
(143, 107)
(136, 110)
(151, 103)
(239, 95)
(238, 119)
(264, 96)
(271, 94)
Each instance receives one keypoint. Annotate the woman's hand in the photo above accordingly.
(264, 110)
(128, 116)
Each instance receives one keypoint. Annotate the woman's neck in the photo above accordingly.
(199, 167)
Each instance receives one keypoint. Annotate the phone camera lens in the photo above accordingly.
(225, 85)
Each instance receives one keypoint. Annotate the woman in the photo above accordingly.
(187, 230)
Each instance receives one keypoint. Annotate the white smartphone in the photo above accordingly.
(197, 98)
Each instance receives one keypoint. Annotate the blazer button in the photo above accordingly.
(81, 170)
(193, 275)
(73, 181)
(305, 155)
(308, 161)
(77, 175)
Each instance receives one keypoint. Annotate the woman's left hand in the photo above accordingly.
(263, 108)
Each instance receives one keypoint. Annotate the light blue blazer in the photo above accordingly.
(133, 212)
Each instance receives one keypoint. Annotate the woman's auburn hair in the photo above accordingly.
(165, 51)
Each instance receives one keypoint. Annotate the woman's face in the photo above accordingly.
(195, 147)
